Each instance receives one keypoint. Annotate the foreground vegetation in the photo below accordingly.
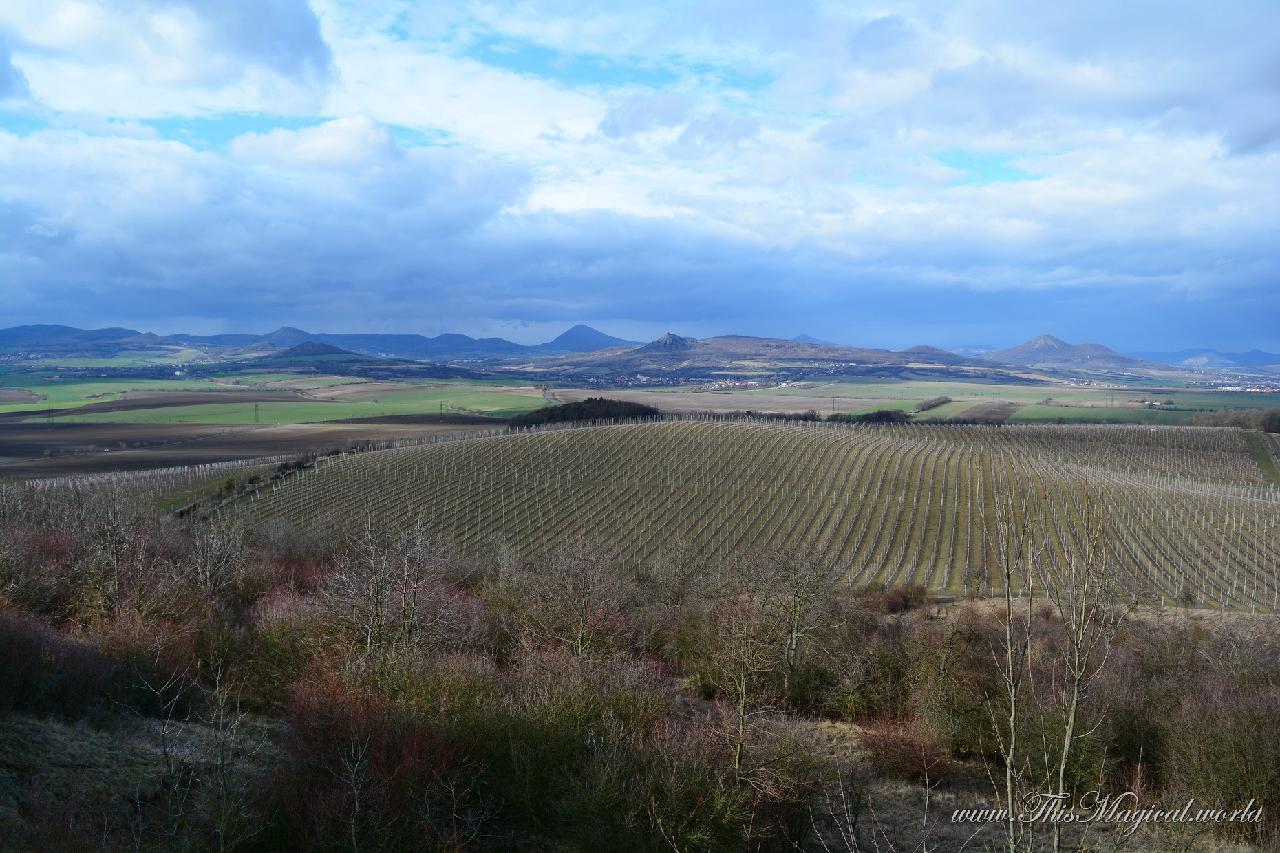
(172, 685)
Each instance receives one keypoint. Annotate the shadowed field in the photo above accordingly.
(42, 450)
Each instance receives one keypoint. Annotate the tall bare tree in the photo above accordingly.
(1018, 547)
(1082, 587)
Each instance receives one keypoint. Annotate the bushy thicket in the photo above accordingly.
(932, 403)
(590, 409)
(416, 697)
(1267, 420)
(879, 416)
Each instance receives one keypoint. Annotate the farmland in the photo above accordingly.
(1192, 510)
(41, 450)
(51, 425)
(283, 398)
(1026, 402)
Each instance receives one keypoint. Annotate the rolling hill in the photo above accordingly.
(1208, 358)
(67, 340)
(1051, 352)
(904, 504)
(678, 356)
(582, 338)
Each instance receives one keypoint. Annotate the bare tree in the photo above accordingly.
(1018, 548)
(570, 599)
(385, 587)
(1084, 594)
(234, 747)
(798, 588)
(217, 552)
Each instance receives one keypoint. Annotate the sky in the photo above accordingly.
(880, 174)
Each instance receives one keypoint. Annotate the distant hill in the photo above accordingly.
(450, 346)
(317, 355)
(1202, 358)
(310, 349)
(584, 350)
(1048, 351)
(582, 338)
(670, 343)
(286, 336)
(67, 340)
(53, 339)
(679, 358)
(934, 355)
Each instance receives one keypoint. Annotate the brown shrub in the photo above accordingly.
(906, 750)
(895, 599)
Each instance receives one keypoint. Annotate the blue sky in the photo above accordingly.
(881, 174)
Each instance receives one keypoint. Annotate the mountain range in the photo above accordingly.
(1046, 351)
(582, 350)
(1200, 358)
(67, 340)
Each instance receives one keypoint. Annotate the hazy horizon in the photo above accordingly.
(882, 177)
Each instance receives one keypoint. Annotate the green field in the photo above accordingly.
(1039, 402)
(946, 410)
(453, 399)
(70, 394)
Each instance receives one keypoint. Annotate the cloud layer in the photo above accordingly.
(974, 176)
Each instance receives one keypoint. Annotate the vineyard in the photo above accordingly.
(1191, 513)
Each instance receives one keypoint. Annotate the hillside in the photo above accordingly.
(67, 340)
(677, 357)
(582, 338)
(1208, 358)
(1048, 351)
(311, 349)
(902, 504)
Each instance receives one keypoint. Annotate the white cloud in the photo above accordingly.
(344, 141)
(796, 133)
(169, 57)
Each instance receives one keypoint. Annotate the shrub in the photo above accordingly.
(590, 409)
(904, 750)
(895, 599)
(1223, 748)
(932, 403)
(880, 416)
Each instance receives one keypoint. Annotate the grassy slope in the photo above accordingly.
(1264, 455)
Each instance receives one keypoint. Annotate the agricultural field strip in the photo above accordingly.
(638, 486)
